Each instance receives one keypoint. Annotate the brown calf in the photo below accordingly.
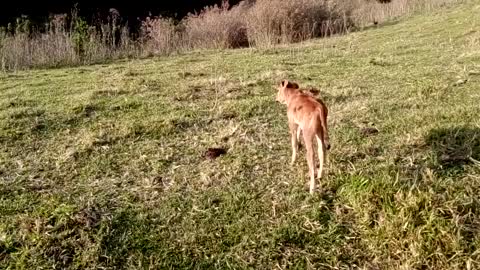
(308, 115)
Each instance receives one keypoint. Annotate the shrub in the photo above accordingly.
(22, 50)
(294, 20)
(159, 35)
(80, 35)
(217, 27)
(63, 43)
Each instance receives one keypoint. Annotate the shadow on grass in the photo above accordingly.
(448, 152)
(454, 147)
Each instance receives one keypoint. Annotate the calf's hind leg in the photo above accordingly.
(321, 156)
(308, 140)
(294, 138)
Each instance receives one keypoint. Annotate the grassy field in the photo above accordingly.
(103, 166)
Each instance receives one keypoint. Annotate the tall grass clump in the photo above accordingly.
(295, 20)
(109, 39)
(22, 49)
(217, 27)
(65, 40)
(366, 12)
(160, 36)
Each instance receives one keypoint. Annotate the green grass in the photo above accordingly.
(101, 166)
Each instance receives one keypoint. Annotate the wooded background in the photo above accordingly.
(39, 11)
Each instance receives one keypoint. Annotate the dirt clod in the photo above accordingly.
(367, 131)
(213, 153)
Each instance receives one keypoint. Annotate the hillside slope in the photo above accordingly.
(103, 166)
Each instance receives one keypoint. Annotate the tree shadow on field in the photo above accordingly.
(454, 147)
